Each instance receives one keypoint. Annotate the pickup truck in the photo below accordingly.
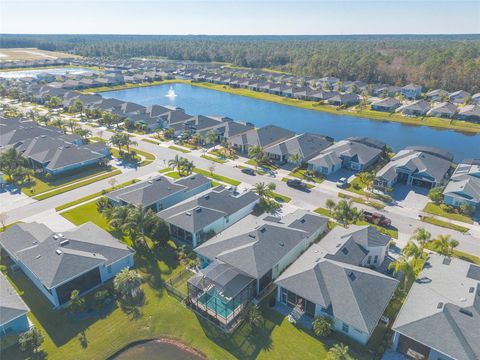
(377, 219)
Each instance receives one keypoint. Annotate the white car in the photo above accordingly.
(342, 183)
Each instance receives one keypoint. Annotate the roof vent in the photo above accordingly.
(471, 289)
(282, 244)
(262, 230)
(252, 236)
(150, 181)
(446, 261)
(206, 197)
(466, 312)
(64, 242)
(188, 213)
(345, 250)
(198, 210)
(58, 251)
(38, 256)
(55, 237)
(302, 221)
(439, 305)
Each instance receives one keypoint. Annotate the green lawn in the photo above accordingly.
(270, 167)
(151, 141)
(162, 315)
(214, 159)
(323, 212)
(459, 254)
(149, 157)
(76, 185)
(217, 177)
(444, 224)
(94, 195)
(163, 171)
(435, 209)
(358, 200)
(176, 148)
(301, 174)
(281, 198)
(43, 184)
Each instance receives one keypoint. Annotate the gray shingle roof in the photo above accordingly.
(39, 249)
(306, 145)
(445, 301)
(264, 137)
(11, 304)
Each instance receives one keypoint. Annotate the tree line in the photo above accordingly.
(448, 62)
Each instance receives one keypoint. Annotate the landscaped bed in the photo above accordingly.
(176, 148)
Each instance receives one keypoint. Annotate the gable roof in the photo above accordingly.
(306, 145)
(11, 304)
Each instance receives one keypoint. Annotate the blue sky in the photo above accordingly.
(240, 17)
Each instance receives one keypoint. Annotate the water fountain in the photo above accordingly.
(171, 93)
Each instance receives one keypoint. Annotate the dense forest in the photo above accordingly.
(451, 62)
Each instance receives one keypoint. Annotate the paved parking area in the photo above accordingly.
(10, 201)
(52, 219)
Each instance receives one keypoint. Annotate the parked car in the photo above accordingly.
(377, 219)
(342, 183)
(294, 183)
(248, 171)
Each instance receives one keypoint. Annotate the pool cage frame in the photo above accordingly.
(227, 288)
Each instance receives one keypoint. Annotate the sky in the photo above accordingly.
(240, 17)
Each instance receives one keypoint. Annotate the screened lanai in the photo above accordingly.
(219, 292)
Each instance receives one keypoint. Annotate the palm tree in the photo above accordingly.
(127, 142)
(339, 352)
(444, 245)
(211, 137)
(72, 124)
(413, 252)
(252, 315)
(176, 163)
(367, 178)
(117, 216)
(255, 153)
(295, 158)
(103, 204)
(422, 236)
(139, 221)
(187, 166)
(263, 190)
(117, 140)
(10, 160)
(127, 284)
(84, 133)
(330, 205)
(405, 266)
(322, 326)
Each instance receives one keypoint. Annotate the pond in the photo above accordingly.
(157, 350)
(196, 100)
(55, 71)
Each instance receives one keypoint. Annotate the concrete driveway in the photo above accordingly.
(412, 197)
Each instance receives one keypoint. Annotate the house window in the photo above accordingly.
(369, 261)
(345, 328)
(109, 269)
(375, 259)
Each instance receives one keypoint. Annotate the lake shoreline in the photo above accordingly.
(162, 340)
(458, 125)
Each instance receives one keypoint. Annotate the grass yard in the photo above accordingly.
(43, 185)
(281, 198)
(176, 148)
(270, 167)
(358, 200)
(95, 195)
(76, 185)
(435, 209)
(151, 141)
(301, 174)
(444, 224)
(166, 170)
(148, 157)
(459, 254)
(217, 177)
(214, 159)
(162, 315)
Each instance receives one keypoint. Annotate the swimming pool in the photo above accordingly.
(216, 302)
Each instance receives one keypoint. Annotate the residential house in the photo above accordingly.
(306, 146)
(250, 254)
(354, 153)
(440, 317)
(464, 185)
(335, 278)
(346, 99)
(437, 95)
(459, 97)
(476, 98)
(13, 310)
(388, 104)
(416, 165)
(195, 220)
(444, 110)
(58, 263)
(411, 91)
(159, 192)
(470, 113)
(263, 137)
(416, 108)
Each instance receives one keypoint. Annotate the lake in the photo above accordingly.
(155, 350)
(55, 71)
(197, 100)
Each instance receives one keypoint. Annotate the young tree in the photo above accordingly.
(330, 205)
(176, 163)
(187, 166)
(31, 340)
(77, 303)
(339, 352)
(112, 181)
(322, 326)
(211, 168)
(436, 195)
(252, 315)
(345, 213)
(127, 284)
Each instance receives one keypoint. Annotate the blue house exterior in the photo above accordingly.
(13, 310)
(411, 91)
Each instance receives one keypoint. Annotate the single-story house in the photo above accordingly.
(437, 95)
(440, 317)
(347, 99)
(411, 91)
(387, 104)
(354, 153)
(416, 165)
(251, 254)
(159, 192)
(444, 109)
(195, 220)
(306, 145)
(469, 112)
(464, 185)
(476, 98)
(263, 137)
(416, 108)
(13, 310)
(335, 278)
(459, 97)
(58, 263)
